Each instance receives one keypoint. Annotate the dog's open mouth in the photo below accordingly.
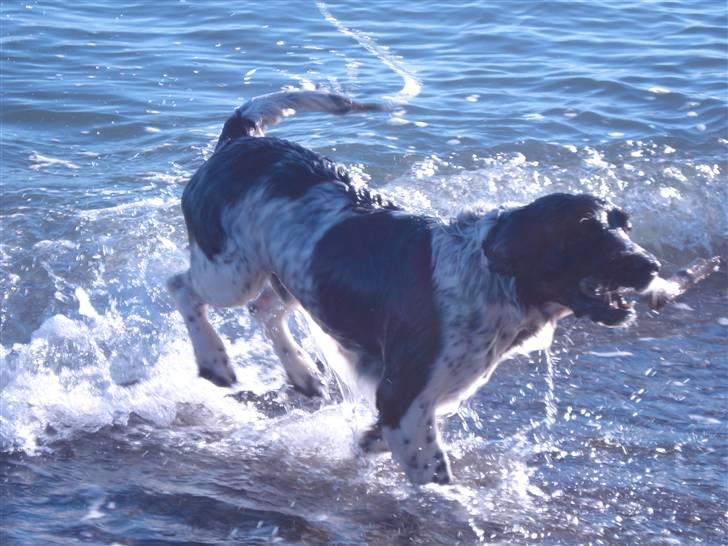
(603, 302)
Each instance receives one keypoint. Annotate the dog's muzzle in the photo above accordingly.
(601, 297)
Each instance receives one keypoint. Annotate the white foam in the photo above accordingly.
(135, 206)
(84, 304)
(704, 420)
(394, 120)
(610, 354)
(64, 378)
(330, 434)
(39, 162)
(659, 90)
(675, 188)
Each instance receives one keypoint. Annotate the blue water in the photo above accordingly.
(106, 434)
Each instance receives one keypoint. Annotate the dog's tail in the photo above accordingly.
(253, 117)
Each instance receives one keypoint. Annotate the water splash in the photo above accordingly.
(658, 188)
(549, 401)
(411, 85)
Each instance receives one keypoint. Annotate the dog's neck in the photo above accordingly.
(475, 291)
(461, 264)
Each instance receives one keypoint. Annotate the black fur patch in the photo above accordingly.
(236, 126)
(237, 166)
(375, 290)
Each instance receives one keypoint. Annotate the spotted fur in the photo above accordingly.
(422, 307)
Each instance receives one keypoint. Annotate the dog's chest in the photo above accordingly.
(475, 343)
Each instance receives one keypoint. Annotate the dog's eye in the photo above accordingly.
(590, 228)
(585, 235)
(620, 219)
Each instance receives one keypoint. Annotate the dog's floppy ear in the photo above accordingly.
(498, 249)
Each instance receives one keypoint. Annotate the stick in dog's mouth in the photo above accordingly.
(661, 291)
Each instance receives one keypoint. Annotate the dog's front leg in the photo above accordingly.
(372, 440)
(416, 445)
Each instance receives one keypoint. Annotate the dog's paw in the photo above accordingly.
(422, 468)
(372, 441)
(308, 385)
(300, 368)
(217, 370)
(420, 455)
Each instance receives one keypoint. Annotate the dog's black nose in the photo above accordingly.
(641, 265)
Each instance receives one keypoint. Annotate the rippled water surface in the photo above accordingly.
(106, 434)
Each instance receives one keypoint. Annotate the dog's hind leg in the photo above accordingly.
(212, 361)
(271, 310)
(226, 280)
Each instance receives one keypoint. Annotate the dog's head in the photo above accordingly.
(572, 250)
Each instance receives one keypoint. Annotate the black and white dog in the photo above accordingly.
(424, 308)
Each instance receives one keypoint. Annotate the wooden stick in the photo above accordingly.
(661, 291)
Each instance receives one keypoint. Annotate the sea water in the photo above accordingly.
(107, 435)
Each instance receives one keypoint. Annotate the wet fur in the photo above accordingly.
(424, 308)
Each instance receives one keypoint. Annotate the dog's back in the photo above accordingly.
(238, 167)
(244, 159)
(255, 211)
